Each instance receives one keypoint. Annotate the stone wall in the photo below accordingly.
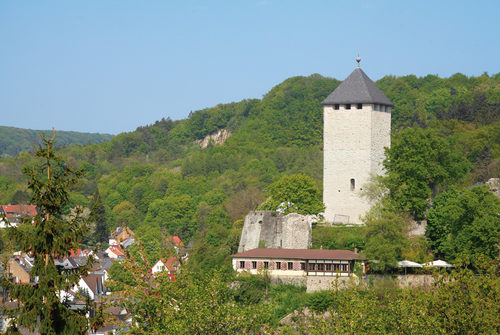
(322, 283)
(269, 230)
(417, 228)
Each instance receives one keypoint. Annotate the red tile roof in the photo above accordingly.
(298, 254)
(116, 250)
(176, 240)
(19, 210)
(79, 253)
(169, 263)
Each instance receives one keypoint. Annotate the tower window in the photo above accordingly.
(360, 106)
(353, 184)
(348, 106)
(336, 106)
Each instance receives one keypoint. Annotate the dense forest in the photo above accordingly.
(159, 181)
(14, 140)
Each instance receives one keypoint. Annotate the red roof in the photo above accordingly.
(298, 254)
(19, 210)
(176, 240)
(79, 253)
(169, 263)
(116, 250)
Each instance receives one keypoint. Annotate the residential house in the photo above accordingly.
(92, 284)
(115, 252)
(102, 268)
(127, 242)
(170, 266)
(19, 268)
(122, 233)
(14, 213)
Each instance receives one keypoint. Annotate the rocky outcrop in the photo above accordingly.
(494, 185)
(217, 138)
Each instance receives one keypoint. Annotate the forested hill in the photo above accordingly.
(159, 180)
(14, 140)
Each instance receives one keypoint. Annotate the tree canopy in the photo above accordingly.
(465, 224)
(294, 194)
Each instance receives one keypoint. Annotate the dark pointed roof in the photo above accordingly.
(355, 89)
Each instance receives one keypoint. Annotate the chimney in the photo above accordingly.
(355, 250)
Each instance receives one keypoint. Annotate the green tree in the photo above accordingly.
(99, 216)
(465, 223)
(195, 303)
(49, 236)
(294, 194)
(418, 162)
(385, 240)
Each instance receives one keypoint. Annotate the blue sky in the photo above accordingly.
(111, 66)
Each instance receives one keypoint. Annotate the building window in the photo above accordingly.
(375, 107)
(311, 266)
(353, 184)
(242, 264)
(278, 265)
(348, 106)
(266, 265)
(360, 106)
(290, 265)
(303, 266)
(254, 265)
(336, 106)
(328, 267)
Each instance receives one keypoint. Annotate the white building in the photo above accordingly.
(357, 128)
(281, 263)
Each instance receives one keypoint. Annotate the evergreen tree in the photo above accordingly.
(45, 237)
(99, 216)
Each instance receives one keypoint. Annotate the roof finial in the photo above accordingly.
(358, 59)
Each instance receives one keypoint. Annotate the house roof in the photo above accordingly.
(169, 263)
(94, 282)
(176, 240)
(304, 254)
(116, 250)
(357, 88)
(19, 210)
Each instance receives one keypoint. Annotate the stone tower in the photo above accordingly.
(357, 128)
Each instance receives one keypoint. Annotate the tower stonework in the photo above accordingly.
(357, 128)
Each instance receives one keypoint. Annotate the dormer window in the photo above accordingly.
(348, 106)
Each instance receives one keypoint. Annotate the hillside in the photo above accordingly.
(159, 180)
(14, 140)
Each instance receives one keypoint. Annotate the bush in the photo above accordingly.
(319, 301)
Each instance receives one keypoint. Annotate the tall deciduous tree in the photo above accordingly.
(385, 240)
(48, 236)
(465, 223)
(418, 162)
